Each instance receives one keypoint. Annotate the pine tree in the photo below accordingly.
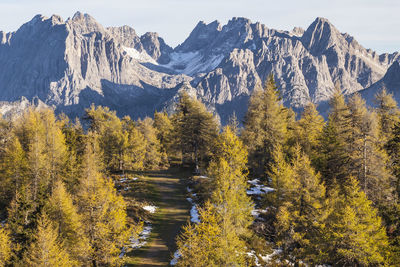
(393, 148)
(355, 235)
(103, 211)
(5, 247)
(64, 215)
(46, 250)
(266, 126)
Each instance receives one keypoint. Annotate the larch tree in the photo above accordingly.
(196, 129)
(266, 126)
(103, 211)
(164, 127)
(355, 234)
(301, 216)
(46, 250)
(5, 247)
(64, 215)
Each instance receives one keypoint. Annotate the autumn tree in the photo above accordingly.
(196, 128)
(103, 211)
(266, 126)
(46, 250)
(5, 247)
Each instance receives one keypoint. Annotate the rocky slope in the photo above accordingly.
(70, 64)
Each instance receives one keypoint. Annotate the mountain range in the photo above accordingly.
(68, 65)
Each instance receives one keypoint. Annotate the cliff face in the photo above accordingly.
(71, 64)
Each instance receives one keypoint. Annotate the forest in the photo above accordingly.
(333, 198)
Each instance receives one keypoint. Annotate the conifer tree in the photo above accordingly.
(308, 133)
(393, 148)
(388, 115)
(355, 235)
(13, 170)
(334, 156)
(135, 147)
(228, 171)
(301, 217)
(46, 250)
(196, 129)
(266, 126)
(163, 125)
(64, 215)
(5, 247)
(201, 244)
(103, 211)
(368, 160)
(154, 156)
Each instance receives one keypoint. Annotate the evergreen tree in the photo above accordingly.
(393, 148)
(46, 250)
(135, 147)
(266, 126)
(5, 247)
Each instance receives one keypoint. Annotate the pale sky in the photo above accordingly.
(374, 23)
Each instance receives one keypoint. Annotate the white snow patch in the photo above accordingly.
(194, 215)
(192, 62)
(150, 208)
(202, 177)
(258, 188)
(189, 189)
(267, 258)
(142, 238)
(139, 56)
(177, 255)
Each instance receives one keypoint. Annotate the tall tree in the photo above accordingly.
(308, 133)
(163, 125)
(301, 217)
(266, 126)
(355, 235)
(103, 211)
(5, 247)
(64, 215)
(46, 250)
(196, 128)
(388, 114)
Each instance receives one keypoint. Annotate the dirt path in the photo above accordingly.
(172, 213)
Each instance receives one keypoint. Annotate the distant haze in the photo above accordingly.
(374, 23)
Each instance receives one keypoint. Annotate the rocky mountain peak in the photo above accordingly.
(392, 76)
(84, 23)
(320, 35)
(201, 36)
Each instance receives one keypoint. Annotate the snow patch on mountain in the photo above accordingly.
(142, 57)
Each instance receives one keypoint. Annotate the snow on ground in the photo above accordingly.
(139, 56)
(194, 213)
(150, 208)
(177, 255)
(267, 258)
(140, 241)
(202, 177)
(258, 188)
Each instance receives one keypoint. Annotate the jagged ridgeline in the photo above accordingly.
(70, 64)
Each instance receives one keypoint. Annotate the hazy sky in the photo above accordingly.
(374, 23)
